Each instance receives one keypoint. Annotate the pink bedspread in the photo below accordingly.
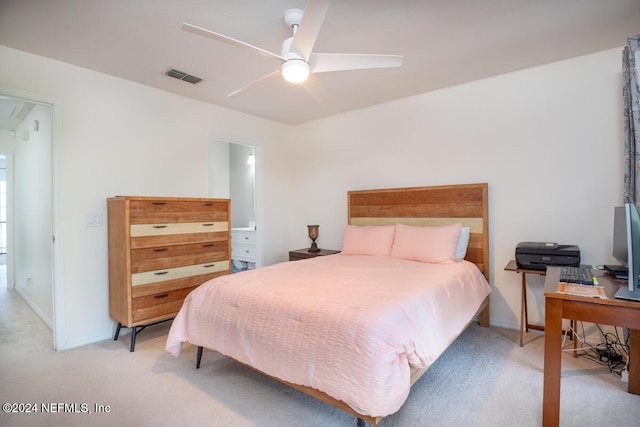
(349, 326)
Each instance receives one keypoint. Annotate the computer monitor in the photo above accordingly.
(632, 226)
(620, 252)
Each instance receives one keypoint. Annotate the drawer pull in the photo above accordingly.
(207, 245)
(246, 237)
(209, 265)
(160, 226)
(160, 250)
(161, 296)
(207, 203)
(160, 273)
(208, 224)
(159, 203)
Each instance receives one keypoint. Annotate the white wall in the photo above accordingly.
(122, 138)
(548, 140)
(219, 186)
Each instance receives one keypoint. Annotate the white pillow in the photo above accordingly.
(463, 242)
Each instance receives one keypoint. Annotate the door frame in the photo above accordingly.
(8, 155)
(55, 103)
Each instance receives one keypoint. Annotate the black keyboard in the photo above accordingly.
(582, 275)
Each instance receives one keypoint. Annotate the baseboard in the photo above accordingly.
(505, 325)
(593, 334)
(35, 308)
(86, 341)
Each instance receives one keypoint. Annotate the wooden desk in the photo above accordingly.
(524, 315)
(610, 311)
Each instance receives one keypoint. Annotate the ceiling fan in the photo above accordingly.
(297, 58)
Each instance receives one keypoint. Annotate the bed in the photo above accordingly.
(356, 329)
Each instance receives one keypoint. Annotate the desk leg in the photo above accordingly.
(524, 315)
(552, 362)
(573, 326)
(634, 362)
(524, 300)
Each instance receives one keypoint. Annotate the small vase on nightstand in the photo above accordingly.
(313, 235)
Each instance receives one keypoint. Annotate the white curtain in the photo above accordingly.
(631, 95)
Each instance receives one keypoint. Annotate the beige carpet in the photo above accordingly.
(484, 379)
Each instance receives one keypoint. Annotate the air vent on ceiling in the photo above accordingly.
(180, 75)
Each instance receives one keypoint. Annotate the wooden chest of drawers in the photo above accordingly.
(160, 249)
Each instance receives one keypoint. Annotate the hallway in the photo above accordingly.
(3, 271)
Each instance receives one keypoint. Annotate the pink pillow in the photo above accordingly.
(426, 244)
(368, 240)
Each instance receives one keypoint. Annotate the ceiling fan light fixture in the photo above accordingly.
(297, 51)
(295, 70)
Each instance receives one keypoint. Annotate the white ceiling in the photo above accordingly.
(444, 43)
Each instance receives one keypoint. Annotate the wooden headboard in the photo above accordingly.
(429, 206)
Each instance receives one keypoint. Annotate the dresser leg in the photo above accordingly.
(115, 337)
(133, 338)
(135, 330)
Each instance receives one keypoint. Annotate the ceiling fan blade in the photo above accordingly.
(324, 62)
(256, 82)
(307, 33)
(222, 38)
(316, 90)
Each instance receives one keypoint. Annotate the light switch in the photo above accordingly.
(94, 220)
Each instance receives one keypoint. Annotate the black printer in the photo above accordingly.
(540, 255)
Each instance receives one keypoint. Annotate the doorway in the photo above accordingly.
(3, 221)
(235, 172)
(29, 139)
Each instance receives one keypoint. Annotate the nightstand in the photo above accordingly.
(299, 254)
(524, 315)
